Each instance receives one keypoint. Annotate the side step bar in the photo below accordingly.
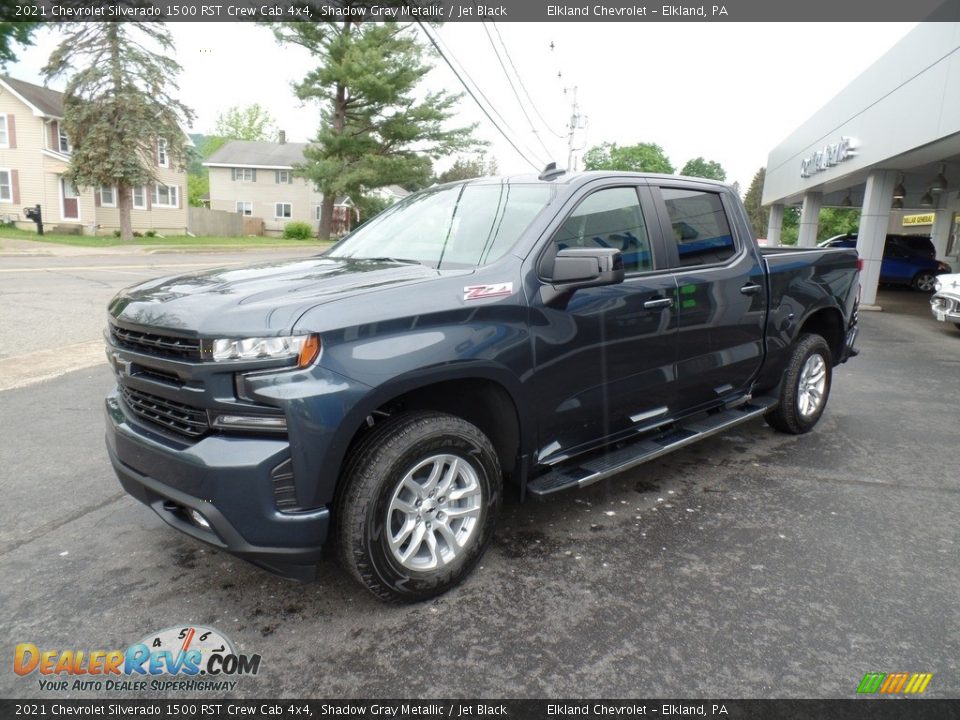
(598, 466)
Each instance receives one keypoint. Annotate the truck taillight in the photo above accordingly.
(859, 264)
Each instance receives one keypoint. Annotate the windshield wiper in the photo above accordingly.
(409, 261)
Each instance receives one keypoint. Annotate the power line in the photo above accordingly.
(522, 86)
(514, 89)
(535, 165)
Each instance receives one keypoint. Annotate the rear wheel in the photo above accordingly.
(418, 505)
(805, 386)
(924, 282)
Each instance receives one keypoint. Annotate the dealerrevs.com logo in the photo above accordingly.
(190, 659)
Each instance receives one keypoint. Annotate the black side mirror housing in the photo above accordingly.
(575, 268)
(587, 267)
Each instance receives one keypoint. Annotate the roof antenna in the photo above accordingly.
(551, 172)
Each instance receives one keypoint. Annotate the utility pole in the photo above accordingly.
(577, 122)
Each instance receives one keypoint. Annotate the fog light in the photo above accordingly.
(250, 422)
(198, 519)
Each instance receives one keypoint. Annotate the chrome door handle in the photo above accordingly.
(658, 303)
(751, 289)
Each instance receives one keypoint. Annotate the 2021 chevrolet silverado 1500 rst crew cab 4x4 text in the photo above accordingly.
(536, 333)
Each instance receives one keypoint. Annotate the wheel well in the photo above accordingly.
(483, 403)
(828, 324)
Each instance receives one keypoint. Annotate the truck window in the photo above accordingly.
(700, 227)
(452, 226)
(609, 218)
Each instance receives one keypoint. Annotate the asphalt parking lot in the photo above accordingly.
(751, 565)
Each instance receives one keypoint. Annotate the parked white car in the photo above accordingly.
(945, 302)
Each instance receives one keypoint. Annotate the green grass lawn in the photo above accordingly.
(177, 241)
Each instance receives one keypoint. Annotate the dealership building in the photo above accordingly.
(888, 144)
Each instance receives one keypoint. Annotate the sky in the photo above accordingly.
(728, 92)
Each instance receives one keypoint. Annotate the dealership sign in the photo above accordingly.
(827, 157)
(924, 219)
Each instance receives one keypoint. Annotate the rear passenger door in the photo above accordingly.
(721, 294)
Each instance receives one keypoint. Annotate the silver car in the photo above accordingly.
(945, 302)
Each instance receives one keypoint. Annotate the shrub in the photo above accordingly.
(150, 233)
(116, 233)
(297, 231)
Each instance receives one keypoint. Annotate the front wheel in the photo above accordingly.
(805, 386)
(924, 282)
(417, 508)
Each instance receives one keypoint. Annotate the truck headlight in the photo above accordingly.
(937, 285)
(304, 348)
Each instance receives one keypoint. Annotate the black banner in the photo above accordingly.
(186, 709)
(498, 10)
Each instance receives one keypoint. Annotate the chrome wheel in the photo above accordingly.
(434, 513)
(813, 382)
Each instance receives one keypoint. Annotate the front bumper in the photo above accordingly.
(228, 481)
(946, 307)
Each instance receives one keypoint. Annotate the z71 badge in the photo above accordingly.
(479, 292)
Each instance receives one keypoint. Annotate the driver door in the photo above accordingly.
(605, 356)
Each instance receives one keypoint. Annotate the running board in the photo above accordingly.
(599, 466)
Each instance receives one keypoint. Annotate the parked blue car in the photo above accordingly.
(902, 267)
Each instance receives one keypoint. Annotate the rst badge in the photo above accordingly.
(479, 292)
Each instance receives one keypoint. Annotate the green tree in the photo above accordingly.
(376, 129)
(837, 221)
(642, 157)
(118, 105)
(465, 168)
(699, 167)
(759, 215)
(13, 33)
(252, 122)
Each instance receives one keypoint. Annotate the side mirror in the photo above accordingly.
(575, 268)
(587, 267)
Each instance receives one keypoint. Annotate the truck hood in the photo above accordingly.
(257, 299)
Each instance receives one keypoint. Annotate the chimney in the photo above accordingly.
(283, 137)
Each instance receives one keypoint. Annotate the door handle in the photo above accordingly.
(658, 303)
(751, 289)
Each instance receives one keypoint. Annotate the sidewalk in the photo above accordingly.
(18, 247)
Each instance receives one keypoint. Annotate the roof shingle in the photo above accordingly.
(46, 100)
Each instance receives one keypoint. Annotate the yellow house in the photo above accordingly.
(35, 154)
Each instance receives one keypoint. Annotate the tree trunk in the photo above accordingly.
(339, 122)
(124, 206)
(326, 216)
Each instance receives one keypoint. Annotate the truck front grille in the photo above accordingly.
(174, 416)
(150, 343)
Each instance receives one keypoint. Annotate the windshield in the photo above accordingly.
(459, 226)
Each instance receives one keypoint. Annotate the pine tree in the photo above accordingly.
(375, 130)
(118, 105)
(751, 201)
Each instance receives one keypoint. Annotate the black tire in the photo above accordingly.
(373, 482)
(792, 414)
(923, 281)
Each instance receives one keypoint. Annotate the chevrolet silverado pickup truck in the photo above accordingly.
(525, 333)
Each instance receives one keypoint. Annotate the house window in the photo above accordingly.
(317, 211)
(165, 196)
(284, 176)
(63, 141)
(245, 174)
(108, 197)
(4, 135)
(6, 186)
(139, 198)
(163, 160)
(244, 207)
(283, 210)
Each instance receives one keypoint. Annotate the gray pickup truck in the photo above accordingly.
(532, 333)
